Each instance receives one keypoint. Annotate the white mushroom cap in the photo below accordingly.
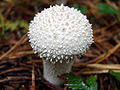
(60, 33)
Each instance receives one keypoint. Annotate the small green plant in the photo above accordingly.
(104, 8)
(7, 25)
(82, 9)
(76, 83)
(115, 74)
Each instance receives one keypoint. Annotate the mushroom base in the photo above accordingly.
(52, 71)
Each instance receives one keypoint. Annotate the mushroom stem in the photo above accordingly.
(53, 70)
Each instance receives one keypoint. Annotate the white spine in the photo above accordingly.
(51, 71)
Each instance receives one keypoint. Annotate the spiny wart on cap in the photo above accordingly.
(60, 33)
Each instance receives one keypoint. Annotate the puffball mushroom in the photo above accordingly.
(59, 34)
